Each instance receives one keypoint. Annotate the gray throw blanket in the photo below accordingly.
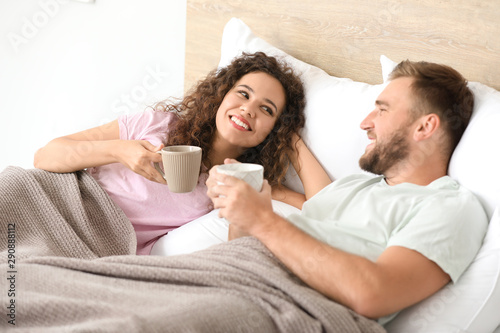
(68, 253)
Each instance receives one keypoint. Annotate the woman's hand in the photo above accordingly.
(139, 157)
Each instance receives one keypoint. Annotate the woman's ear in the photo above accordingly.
(426, 126)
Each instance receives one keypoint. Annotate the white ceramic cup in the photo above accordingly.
(253, 174)
(181, 167)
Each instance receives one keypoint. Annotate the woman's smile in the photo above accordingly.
(240, 123)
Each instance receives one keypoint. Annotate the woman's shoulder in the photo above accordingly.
(150, 115)
(150, 120)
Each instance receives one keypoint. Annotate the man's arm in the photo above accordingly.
(399, 278)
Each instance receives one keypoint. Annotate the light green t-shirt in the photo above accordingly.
(363, 215)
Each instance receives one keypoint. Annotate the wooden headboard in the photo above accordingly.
(346, 37)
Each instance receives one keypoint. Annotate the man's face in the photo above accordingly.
(388, 128)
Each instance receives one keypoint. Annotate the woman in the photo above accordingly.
(249, 111)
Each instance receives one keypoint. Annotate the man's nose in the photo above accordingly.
(367, 123)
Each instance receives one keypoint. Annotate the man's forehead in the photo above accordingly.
(397, 89)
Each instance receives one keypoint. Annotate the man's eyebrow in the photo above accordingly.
(380, 103)
(266, 99)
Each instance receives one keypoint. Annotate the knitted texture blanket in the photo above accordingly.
(68, 253)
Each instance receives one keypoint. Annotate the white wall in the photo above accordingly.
(66, 66)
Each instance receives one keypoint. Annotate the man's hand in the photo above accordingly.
(235, 232)
(239, 203)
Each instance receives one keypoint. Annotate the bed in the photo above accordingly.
(346, 49)
(77, 274)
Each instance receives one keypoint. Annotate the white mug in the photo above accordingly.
(253, 174)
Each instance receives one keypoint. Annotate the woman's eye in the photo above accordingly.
(243, 93)
(268, 110)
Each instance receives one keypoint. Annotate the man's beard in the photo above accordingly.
(385, 155)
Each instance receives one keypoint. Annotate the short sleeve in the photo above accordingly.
(147, 125)
(448, 228)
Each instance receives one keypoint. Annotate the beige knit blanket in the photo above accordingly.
(68, 264)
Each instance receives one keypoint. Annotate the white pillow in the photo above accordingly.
(203, 232)
(334, 111)
(473, 303)
(475, 163)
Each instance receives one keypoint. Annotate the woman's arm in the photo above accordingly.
(314, 178)
(99, 146)
(286, 195)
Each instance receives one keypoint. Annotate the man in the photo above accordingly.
(378, 244)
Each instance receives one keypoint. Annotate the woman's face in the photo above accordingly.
(249, 110)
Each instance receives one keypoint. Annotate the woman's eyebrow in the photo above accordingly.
(266, 99)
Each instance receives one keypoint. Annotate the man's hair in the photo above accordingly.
(442, 90)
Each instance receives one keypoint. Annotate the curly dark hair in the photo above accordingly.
(197, 113)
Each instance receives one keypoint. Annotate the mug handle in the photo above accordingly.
(158, 168)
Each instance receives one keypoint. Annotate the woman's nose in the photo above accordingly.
(248, 109)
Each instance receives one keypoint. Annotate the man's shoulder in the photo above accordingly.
(446, 185)
(456, 200)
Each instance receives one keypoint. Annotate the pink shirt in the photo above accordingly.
(150, 206)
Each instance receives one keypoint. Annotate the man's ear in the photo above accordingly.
(427, 125)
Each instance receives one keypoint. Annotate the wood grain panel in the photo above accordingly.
(347, 37)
